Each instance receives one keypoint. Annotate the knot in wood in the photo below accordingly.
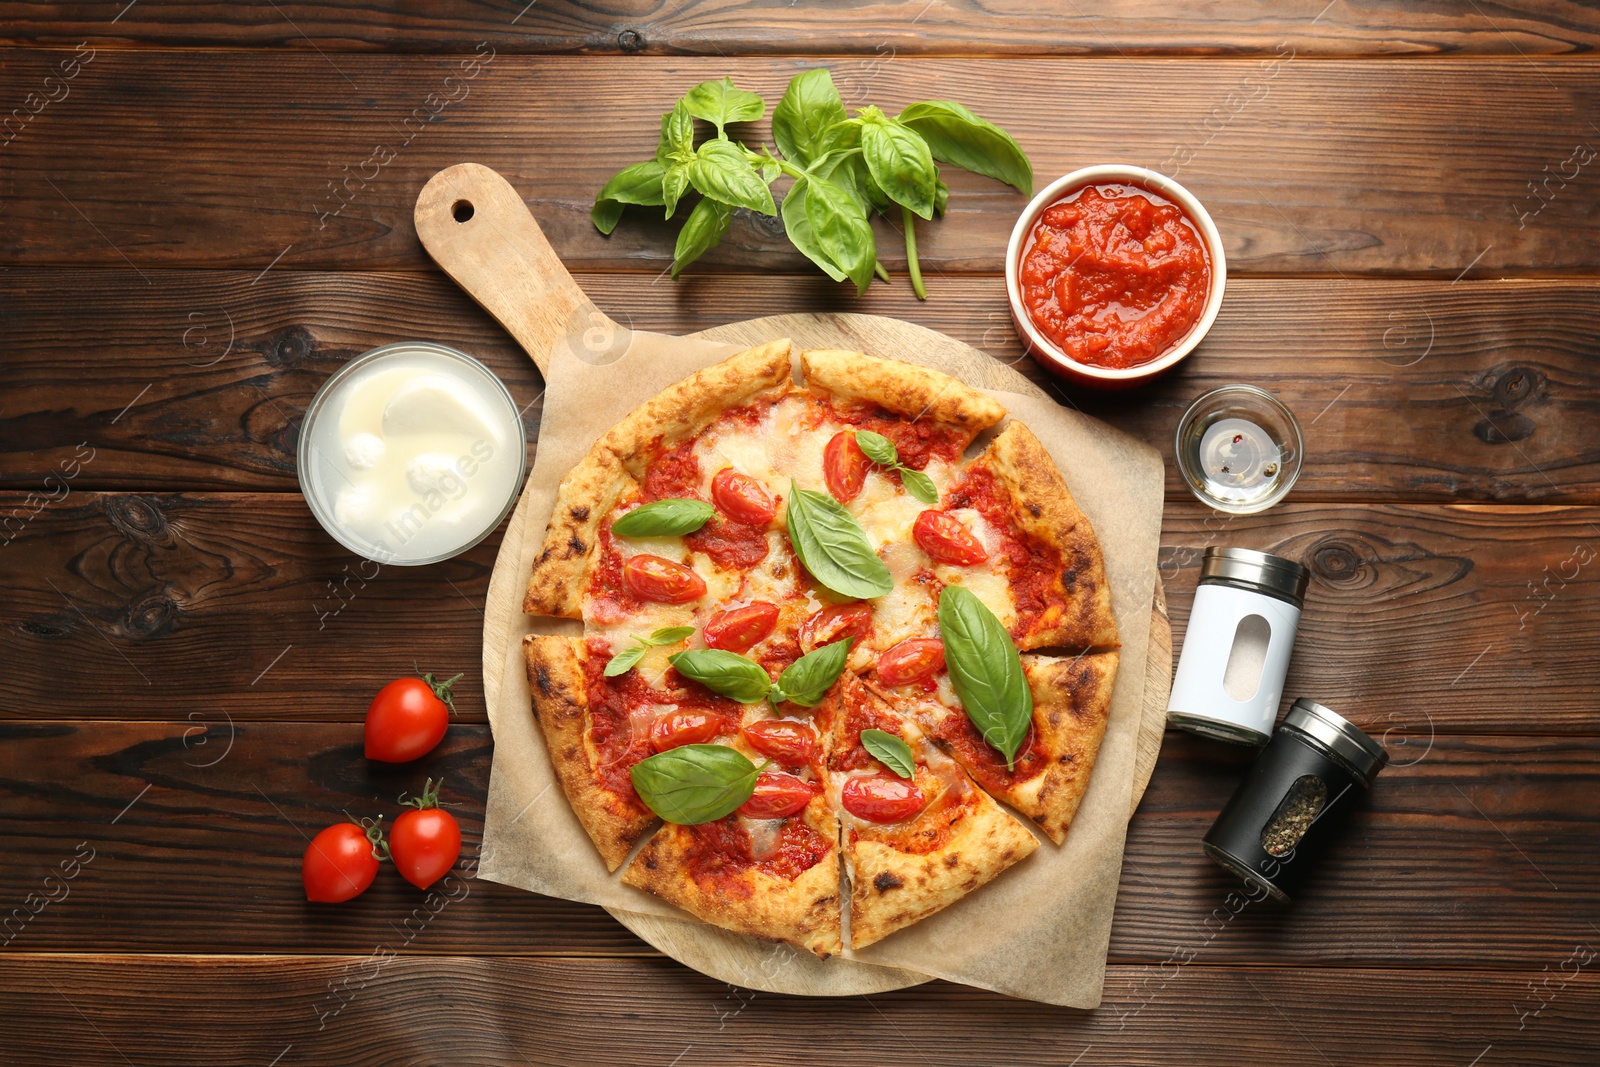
(138, 518)
(631, 41)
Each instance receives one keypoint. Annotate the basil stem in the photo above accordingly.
(694, 784)
(664, 518)
(986, 671)
(913, 267)
(890, 750)
(833, 547)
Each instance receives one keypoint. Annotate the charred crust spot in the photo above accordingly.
(575, 545)
(541, 678)
(952, 860)
(580, 514)
(885, 882)
(1008, 853)
(1035, 510)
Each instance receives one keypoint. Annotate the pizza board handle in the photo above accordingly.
(476, 227)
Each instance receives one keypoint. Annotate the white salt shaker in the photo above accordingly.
(1236, 651)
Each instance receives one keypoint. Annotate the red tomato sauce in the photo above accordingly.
(610, 598)
(673, 475)
(1034, 570)
(1115, 275)
(721, 850)
(734, 545)
(985, 762)
(916, 441)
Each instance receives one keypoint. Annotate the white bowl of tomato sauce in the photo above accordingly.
(1114, 274)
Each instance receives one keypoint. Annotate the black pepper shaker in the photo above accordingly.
(1298, 792)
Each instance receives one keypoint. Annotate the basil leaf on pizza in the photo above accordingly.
(881, 451)
(808, 679)
(694, 784)
(833, 547)
(629, 658)
(986, 671)
(724, 673)
(890, 750)
(664, 518)
(919, 485)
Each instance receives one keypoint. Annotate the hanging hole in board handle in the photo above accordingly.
(461, 210)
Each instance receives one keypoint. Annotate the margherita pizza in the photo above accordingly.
(774, 664)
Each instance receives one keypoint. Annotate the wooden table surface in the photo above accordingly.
(207, 210)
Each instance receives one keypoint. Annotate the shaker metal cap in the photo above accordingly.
(1352, 744)
(1261, 571)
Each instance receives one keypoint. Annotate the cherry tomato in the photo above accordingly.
(742, 498)
(835, 624)
(740, 629)
(777, 795)
(408, 718)
(844, 466)
(426, 840)
(677, 728)
(662, 580)
(942, 536)
(789, 742)
(882, 798)
(341, 862)
(911, 661)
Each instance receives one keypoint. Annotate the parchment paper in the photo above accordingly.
(1041, 929)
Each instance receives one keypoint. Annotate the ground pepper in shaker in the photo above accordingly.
(1236, 648)
(1297, 794)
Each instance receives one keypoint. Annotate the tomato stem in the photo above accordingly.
(373, 828)
(440, 689)
(429, 797)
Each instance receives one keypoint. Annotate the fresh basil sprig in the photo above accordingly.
(844, 167)
(803, 682)
(695, 784)
(881, 451)
(891, 750)
(664, 518)
(833, 547)
(986, 671)
(629, 658)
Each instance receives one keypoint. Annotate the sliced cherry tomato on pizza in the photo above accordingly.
(662, 580)
(678, 728)
(911, 661)
(788, 741)
(882, 798)
(740, 629)
(944, 537)
(835, 624)
(777, 795)
(341, 862)
(845, 466)
(742, 498)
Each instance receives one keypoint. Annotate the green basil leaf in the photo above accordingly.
(807, 680)
(664, 518)
(842, 231)
(919, 485)
(941, 198)
(901, 164)
(694, 784)
(669, 635)
(605, 215)
(986, 671)
(720, 103)
(638, 184)
(724, 673)
(891, 750)
(626, 660)
(677, 136)
(721, 172)
(701, 231)
(833, 547)
(674, 183)
(809, 107)
(878, 448)
(955, 135)
(798, 226)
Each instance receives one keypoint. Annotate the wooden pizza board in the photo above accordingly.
(477, 228)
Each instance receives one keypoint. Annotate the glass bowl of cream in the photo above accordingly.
(411, 453)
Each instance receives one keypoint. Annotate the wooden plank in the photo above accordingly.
(228, 810)
(878, 29)
(159, 605)
(1307, 169)
(126, 1010)
(1407, 390)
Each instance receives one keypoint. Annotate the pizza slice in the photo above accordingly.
(1071, 705)
(913, 843)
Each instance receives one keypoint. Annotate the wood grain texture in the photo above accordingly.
(207, 859)
(121, 1010)
(1476, 619)
(320, 158)
(1407, 390)
(830, 27)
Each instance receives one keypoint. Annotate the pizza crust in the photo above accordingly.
(586, 496)
(900, 387)
(804, 913)
(1071, 705)
(561, 704)
(1045, 510)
